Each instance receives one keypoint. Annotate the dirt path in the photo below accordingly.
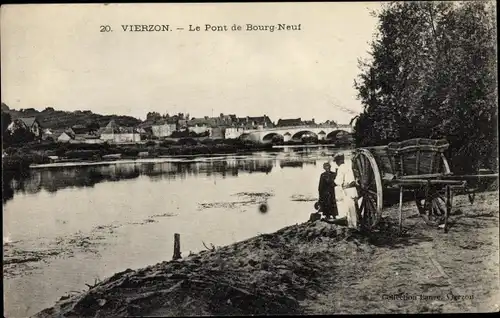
(424, 268)
(318, 268)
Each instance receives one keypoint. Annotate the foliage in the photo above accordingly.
(167, 143)
(432, 75)
(56, 119)
(187, 133)
(19, 134)
(82, 154)
(6, 120)
(187, 141)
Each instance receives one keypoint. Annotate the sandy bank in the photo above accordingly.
(318, 268)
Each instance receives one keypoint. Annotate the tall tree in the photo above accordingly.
(6, 120)
(432, 74)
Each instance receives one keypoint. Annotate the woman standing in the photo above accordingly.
(326, 191)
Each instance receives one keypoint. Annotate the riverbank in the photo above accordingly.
(20, 158)
(318, 268)
(42, 154)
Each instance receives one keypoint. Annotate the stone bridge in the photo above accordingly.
(296, 133)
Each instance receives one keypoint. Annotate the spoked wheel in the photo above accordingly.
(434, 205)
(369, 186)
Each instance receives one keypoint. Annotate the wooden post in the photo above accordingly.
(448, 208)
(400, 210)
(177, 246)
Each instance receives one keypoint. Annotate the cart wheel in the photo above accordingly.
(369, 186)
(432, 207)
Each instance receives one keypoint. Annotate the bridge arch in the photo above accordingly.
(245, 136)
(273, 137)
(300, 134)
(337, 134)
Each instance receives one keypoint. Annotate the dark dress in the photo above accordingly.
(326, 191)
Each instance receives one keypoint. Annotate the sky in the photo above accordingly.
(53, 55)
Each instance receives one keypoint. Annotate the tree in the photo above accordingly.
(20, 134)
(93, 126)
(153, 116)
(432, 75)
(6, 120)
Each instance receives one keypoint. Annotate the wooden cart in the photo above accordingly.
(418, 166)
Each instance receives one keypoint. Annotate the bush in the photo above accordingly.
(130, 151)
(207, 142)
(150, 143)
(61, 150)
(167, 143)
(187, 141)
(82, 154)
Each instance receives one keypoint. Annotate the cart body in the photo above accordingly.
(418, 166)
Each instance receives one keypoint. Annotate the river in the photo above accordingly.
(65, 227)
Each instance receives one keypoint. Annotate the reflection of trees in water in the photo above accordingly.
(54, 179)
(12, 182)
(296, 163)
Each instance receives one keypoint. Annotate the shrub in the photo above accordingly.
(187, 141)
(167, 143)
(82, 154)
(208, 141)
(130, 151)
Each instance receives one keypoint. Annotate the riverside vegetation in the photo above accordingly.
(38, 153)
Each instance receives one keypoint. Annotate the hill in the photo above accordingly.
(58, 119)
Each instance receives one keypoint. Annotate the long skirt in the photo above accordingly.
(328, 204)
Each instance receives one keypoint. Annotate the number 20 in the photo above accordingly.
(105, 28)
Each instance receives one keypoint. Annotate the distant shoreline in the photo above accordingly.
(48, 155)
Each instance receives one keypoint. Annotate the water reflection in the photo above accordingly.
(54, 179)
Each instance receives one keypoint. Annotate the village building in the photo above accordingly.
(240, 125)
(116, 134)
(260, 122)
(47, 134)
(201, 125)
(64, 136)
(161, 128)
(289, 122)
(233, 132)
(309, 122)
(29, 123)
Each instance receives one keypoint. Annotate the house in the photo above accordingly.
(218, 133)
(201, 125)
(145, 129)
(117, 134)
(47, 134)
(162, 128)
(248, 122)
(309, 122)
(226, 120)
(29, 123)
(65, 136)
(289, 122)
(233, 132)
